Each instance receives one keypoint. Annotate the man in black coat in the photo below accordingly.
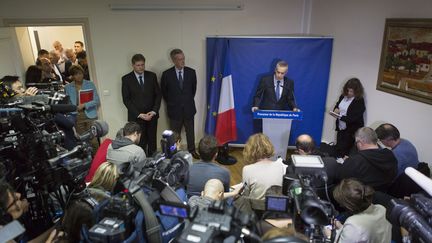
(275, 92)
(178, 85)
(372, 165)
(142, 97)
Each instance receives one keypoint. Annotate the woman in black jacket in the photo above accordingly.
(348, 112)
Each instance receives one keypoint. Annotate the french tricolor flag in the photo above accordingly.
(226, 128)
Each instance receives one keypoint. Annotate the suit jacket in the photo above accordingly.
(68, 64)
(66, 74)
(265, 96)
(180, 102)
(354, 117)
(141, 100)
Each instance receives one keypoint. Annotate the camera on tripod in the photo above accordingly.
(303, 185)
(36, 163)
(144, 190)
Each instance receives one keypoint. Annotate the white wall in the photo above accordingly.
(10, 62)
(25, 46)
(117, 35)
(358, 28)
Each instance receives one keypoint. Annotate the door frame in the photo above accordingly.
(83, 22)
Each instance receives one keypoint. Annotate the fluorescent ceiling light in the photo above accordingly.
(176, 7)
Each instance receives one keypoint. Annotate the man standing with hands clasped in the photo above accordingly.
(275, 92)
(178, 85)
(142, 97)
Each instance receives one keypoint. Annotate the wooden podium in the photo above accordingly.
(277, 126)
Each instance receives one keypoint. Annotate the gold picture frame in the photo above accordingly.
(406, 58)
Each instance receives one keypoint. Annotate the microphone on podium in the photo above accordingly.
(421, 180)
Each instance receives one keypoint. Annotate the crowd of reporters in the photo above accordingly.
(363, 217)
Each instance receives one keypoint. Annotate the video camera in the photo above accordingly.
(170, 166)
(143, 192)
(215, 223)
(34, 159)
(305, 175)
(414, 215)
(46, 88)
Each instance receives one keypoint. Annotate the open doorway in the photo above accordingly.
(31, 35)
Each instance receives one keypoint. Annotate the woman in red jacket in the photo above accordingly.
(100, 156)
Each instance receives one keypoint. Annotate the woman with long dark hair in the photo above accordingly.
(348, 112)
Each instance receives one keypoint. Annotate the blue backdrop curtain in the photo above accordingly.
(309, 62)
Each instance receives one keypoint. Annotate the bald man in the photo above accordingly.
(213, 191)
(59, 47)
(70, 54)
(305, 145)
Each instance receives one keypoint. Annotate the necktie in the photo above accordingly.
(278, 90)
(180, 78)
(141, 81)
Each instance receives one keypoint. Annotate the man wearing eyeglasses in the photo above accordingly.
(11, 204)
(371, 165)
(13, 207)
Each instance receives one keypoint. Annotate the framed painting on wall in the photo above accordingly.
(406, 56)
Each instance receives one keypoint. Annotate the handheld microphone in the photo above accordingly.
(421, 180)
(295, 191)
(98, 129)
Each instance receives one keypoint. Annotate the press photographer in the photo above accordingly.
(13, 83)
(13, 207)
(34, 158)
(136, 207)
(125, 149)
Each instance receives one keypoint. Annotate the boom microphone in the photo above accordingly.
(421, 180)
(55, 108)
(27, 100)
(61, 108)
(98, 129)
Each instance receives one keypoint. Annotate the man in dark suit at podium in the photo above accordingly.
(142, 97)
(275, 92)
(178, 85)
